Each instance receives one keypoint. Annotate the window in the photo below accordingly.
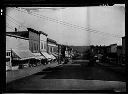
(45, 46)
(37, 48)
(51, 49)
(55, 49)
(7, 53)
(42, 45)
(34, 47)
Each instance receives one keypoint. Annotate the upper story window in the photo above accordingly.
(45, 45)
(42, 45)
(51, 49)
(8, 53)
(35, 47)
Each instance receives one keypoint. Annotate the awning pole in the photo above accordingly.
(11, 60)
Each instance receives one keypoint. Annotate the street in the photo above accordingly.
(71, 76)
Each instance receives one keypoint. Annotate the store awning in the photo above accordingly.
(53, 57)
(39, 56)
(24, 54)
(46, 55)
(55, 54)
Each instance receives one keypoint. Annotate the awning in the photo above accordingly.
(53, 57)
(54, 54)
(24, 54)
(39, 56)
(46, 55)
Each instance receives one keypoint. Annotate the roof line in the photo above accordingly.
(16, 36)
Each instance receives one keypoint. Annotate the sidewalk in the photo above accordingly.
(116, 68)
(17, 74)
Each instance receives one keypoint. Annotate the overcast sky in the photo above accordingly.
(68, 25)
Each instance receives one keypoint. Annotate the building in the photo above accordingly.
(60, 58)
(123, 45)
(68, 52)
(14, 41)
(123, 50)
(112, 48)
(43, 42)
(119, 50)
(17, 50)
(119, 54)
(34, 40)
(38, 44)
(43, 46)
(24, 45)
(52, 48)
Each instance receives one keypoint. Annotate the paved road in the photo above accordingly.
(71, 76)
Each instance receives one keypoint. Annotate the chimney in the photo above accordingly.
(15, 29)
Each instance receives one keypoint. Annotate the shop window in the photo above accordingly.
(41, 45)
(45, 46)
(34, 47)
(51, 49)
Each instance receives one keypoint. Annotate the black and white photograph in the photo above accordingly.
(65, 48)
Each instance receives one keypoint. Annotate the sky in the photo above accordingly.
(69, 25)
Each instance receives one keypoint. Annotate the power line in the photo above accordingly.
(9, 25)
(10, 28)
(105, 34)
(55, 20)
(13, 22)
(69, 24)
(83, 28)
(17, 23)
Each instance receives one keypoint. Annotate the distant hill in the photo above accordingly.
(80, 48)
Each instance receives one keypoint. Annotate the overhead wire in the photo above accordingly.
(54, 20)
(82, 28)
(10, 28)
(16, 22)
(91, 30)
(69, 24)
(105, 34)
(9, 25)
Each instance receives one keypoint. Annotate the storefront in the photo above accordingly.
(47, 56)
(53, 57)
(40, 58)
(21, 59)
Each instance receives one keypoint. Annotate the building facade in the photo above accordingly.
(17, 50)
(16, 42)
(43, 42)
(34, 41)
(112, 48)
(52, 46)
(123, 45)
